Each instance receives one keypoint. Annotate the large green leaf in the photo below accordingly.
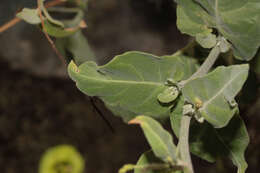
(78, 47)
(213, 94)
(131, 82)
(159, 139)
(210, 143)
(236, 20)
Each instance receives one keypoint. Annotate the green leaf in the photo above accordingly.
(57, 31)
(175, 117)
(77, 45)
(213, 94)
(146, 159)
(148, 163)
(29, 15)
(206, 40)
(236, 20)
(168, 95)
(189, 24)
(131, 82)
(48, 16)
(60, 159)
(159, 139)
(211, 144)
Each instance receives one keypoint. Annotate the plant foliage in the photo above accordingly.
(171, 87)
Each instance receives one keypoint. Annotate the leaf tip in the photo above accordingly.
(134, 121)
(73, 67)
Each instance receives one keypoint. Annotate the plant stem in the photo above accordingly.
(184, 143)
(39, 5)
(206, 66)
(185, 121)
(16, 20)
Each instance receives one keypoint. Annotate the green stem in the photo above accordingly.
(185, 121)
(206, 66)
(208, 63)
(184, 143)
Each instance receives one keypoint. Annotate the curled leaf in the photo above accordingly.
(168, 95)
(61, 159)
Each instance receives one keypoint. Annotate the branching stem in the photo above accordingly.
(16, 20)
(185, 121)
(39, 3)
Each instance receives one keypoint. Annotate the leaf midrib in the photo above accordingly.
(220, 91)
(122, 81)
(164, 145)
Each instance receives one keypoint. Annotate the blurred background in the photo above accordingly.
(40, 106)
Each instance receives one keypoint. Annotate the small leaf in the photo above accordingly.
(168, 95)
(212, 93)
(131, 82)
(211, 144)
(29, 15)
(159, 139)
(206, 40)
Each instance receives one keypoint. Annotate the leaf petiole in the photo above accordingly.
(207, 64)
